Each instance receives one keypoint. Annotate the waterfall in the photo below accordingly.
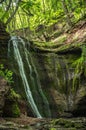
(36, 79)
(17, 42)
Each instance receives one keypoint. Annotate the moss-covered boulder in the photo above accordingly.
(11, 108)
(68, 124)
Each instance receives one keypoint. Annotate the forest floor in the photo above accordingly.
(28, 123)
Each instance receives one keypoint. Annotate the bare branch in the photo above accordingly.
(1, 1)
(10, 18)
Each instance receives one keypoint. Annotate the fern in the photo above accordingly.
(6, 74)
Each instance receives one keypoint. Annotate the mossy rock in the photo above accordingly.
(11, 108)
(65, 123)
(15, 110)
(12, 95)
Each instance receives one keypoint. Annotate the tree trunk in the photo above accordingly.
(66, 13)
(14, 12)
(43, 1)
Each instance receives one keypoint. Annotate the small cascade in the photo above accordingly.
(29, 77)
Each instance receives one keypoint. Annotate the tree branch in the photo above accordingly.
(10, 18)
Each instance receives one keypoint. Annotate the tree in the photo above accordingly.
(33, 13)
(68, 18)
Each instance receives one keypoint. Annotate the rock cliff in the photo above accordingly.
(4, 88)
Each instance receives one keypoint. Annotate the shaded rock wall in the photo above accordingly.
(56, 75)
(4, 88)
(6, 108)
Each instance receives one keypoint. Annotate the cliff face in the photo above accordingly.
(61, 67)
(63, 86)
(62, 81)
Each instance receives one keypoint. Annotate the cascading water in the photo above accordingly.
(17, 44)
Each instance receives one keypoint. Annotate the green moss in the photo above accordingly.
(15, 110)
(52, 128)
(78, 125)
(44, 44)
(51, 45)
(61, 122)
(6, 74)
(11, 108)
(80, 68)
(26, 127)
(13, 95)
(65, 123)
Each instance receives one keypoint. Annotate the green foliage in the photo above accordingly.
(80, 68)
(78, 71)
(33, 13)
(52, 128)
(13, 95)
(11, 108)
(70, 76)
(7, 74)
(65, 123)
(15, 110)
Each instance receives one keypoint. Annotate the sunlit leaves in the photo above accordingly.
(32, 13)
(7, 74)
